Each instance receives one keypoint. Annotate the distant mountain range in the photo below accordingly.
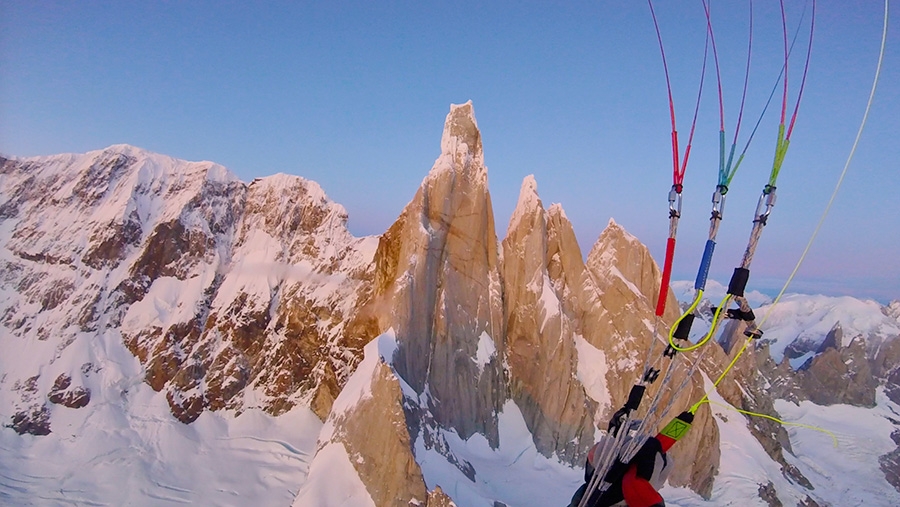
(170, 334)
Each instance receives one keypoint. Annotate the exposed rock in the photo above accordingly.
(779, 380)
(887, 359)
(34, 420)
(264, 322)
(808, 502)
(890, 463)
(63, 393)
(217, 287)
(627, 279)
(886, 366)
(185, 408)
(438, 286)
(437, 498)
(803, 345)
(768, 494)
(172, 250)
(375, 435)
(35, 417)
(109, 246)
(834, 339)
(892, 385)
(840, 376)
(549, 294)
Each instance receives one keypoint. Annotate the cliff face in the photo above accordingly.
(438, 286)
(564, 340)
(548, 297)
(368, 424)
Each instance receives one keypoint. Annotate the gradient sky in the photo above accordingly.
(353, 95)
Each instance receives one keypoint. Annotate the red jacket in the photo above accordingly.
(646, 472)
(646, 466)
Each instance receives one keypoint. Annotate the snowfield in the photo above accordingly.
(126, 448)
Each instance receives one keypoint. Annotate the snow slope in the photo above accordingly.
(125, 448)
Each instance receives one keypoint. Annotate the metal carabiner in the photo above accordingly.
(674, 197)
(718, 202)
(765, 204)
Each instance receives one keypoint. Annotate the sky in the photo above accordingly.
(353, 95)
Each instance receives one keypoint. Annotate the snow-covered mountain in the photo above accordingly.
(169, 334)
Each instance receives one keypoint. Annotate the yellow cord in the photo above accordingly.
(779, 421)
(717, 318)
(687, 312)
(737, 356)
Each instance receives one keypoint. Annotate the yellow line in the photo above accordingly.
(779, 421)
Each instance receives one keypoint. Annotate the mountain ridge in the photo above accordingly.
(233, 298)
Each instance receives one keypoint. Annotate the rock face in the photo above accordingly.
(886, 366)
(438, 286)
(549, 294)
(563, 339)
(219, 288)
(840, 376)
(63, 393)
(370, 422)
(890, 462)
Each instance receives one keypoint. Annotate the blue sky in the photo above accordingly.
(353, 95)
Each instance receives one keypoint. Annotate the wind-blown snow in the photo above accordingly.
(169, 301)
(486, 350)
(591, 371)
(333, 481)
(548, 304)
(252, 274)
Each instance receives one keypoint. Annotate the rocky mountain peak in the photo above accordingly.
(550, 355)
(438, 285)
(528, 202)
(218, 288)
(619, 258)
(893, 309)
(461, 142)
